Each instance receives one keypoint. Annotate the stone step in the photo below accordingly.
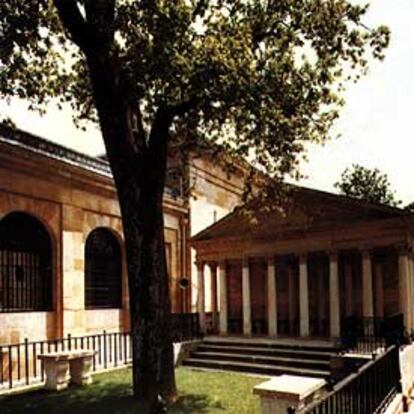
(283, 352)
(262, 369)
(269, 344)
(263, 359)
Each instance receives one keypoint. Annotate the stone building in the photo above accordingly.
(62, 266)
(300, 273)
(304, 271)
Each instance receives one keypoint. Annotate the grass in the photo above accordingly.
(199, 393)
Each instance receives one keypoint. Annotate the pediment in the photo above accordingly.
(303, 210)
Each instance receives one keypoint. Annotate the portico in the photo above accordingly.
(302, 274)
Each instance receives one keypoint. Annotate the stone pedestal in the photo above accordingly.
(57, 371)
(58, 365)
(284, 391)
(81, 368)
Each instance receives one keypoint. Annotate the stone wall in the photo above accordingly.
(214, 194)
(71, 202)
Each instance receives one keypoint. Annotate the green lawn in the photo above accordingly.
(199, 393)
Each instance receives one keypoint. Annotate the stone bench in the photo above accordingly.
(60, 366)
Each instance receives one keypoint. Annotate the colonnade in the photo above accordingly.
(370, 301)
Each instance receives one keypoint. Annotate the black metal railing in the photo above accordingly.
(368, 391)
(288, 327)
(259, 326)
(20, 366)
(235, 325)
(185, 326)
(370, 335)
(212, 323)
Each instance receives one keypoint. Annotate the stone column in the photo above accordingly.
(201, 308)
(379, 291)
(223, 296)
(404, 285)
(247, 304)
(271, 297)
(367, 296)
(303, 295)
(71, 310)
(214, 307)
(349, 291)
(334, 307)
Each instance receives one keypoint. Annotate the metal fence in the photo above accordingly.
(20, 366)
(368, 391)
(372, 335)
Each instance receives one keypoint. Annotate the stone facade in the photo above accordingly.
(71, 195)
(71, 199)
(307, 270)
(214, 195)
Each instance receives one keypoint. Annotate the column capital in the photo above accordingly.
(332, 254)
(199, 263)
(302, 256)
(404, 248)
(221, 263)
(270, 259)
(366, 250)
(212, 265)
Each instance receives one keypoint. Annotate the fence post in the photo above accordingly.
(26, 360)
(105, 352)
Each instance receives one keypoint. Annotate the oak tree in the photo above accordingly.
(261, 78)
(367, 184)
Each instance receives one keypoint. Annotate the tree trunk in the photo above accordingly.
(139, 169)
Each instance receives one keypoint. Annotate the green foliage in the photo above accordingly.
(259, 77)
(367, 184)
(410, 207)
(199, 392)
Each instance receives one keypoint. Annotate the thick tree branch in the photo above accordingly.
(100, 15)
(183, 107)
(75, 24)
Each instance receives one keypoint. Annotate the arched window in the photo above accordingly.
(103, 270)
(25, 264)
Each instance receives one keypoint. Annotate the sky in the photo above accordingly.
(375, 126)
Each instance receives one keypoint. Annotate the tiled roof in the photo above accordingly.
(42, 146)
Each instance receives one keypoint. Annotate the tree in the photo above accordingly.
(260, 78)
(410, 207)
(367, 184)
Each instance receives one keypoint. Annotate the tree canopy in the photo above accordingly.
(367, 184)
(260, 77)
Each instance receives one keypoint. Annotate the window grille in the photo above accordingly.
(103, 270)
(25, 264)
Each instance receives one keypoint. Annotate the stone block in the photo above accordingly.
(80, 367)
(56, 368)
(284, 391)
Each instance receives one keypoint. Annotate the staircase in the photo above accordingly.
(264, 356)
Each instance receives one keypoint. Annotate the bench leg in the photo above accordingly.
(57, 374)
(80, 370)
